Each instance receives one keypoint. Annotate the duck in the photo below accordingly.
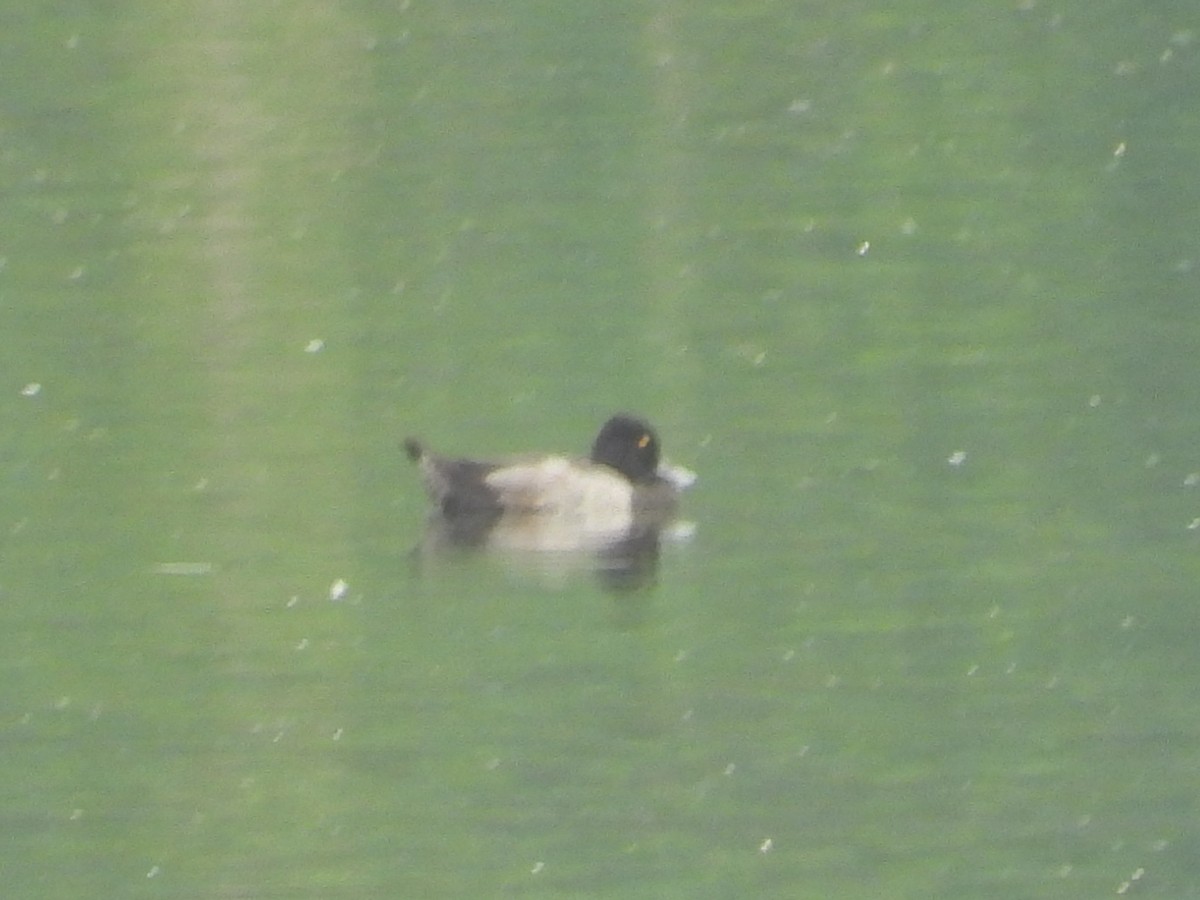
(549, 501)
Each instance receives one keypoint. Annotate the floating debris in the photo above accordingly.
(316, 345)
(31, 390)
(338, 590)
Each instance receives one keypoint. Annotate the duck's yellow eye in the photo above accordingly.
(643, 441)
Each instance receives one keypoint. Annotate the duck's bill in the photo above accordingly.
(679, 477)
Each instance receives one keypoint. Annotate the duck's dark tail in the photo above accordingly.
(413, 448)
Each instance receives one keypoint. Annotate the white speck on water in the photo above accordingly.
(972, 670)
(863, 249)
(1124, 886)
(957, 458)
(680, 477)
(1119, 150)
(31, 390)
(338, 590)
(292, 601)
(1094, 401)
(1193, 525)
(679, 532)
(1191, 479)
(766, 846)
(537, 867)
(316, 345)
(337, 735)
(182, 568)
(302, 644)
(154, 872)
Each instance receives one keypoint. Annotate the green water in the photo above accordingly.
(913, 290)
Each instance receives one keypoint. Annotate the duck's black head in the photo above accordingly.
(629, 445)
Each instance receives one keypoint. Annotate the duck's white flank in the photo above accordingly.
(561, 487)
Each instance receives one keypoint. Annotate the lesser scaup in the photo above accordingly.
(554, 502)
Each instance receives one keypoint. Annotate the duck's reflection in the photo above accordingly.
(553, 551)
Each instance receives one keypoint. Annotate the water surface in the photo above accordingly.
(911, 289)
